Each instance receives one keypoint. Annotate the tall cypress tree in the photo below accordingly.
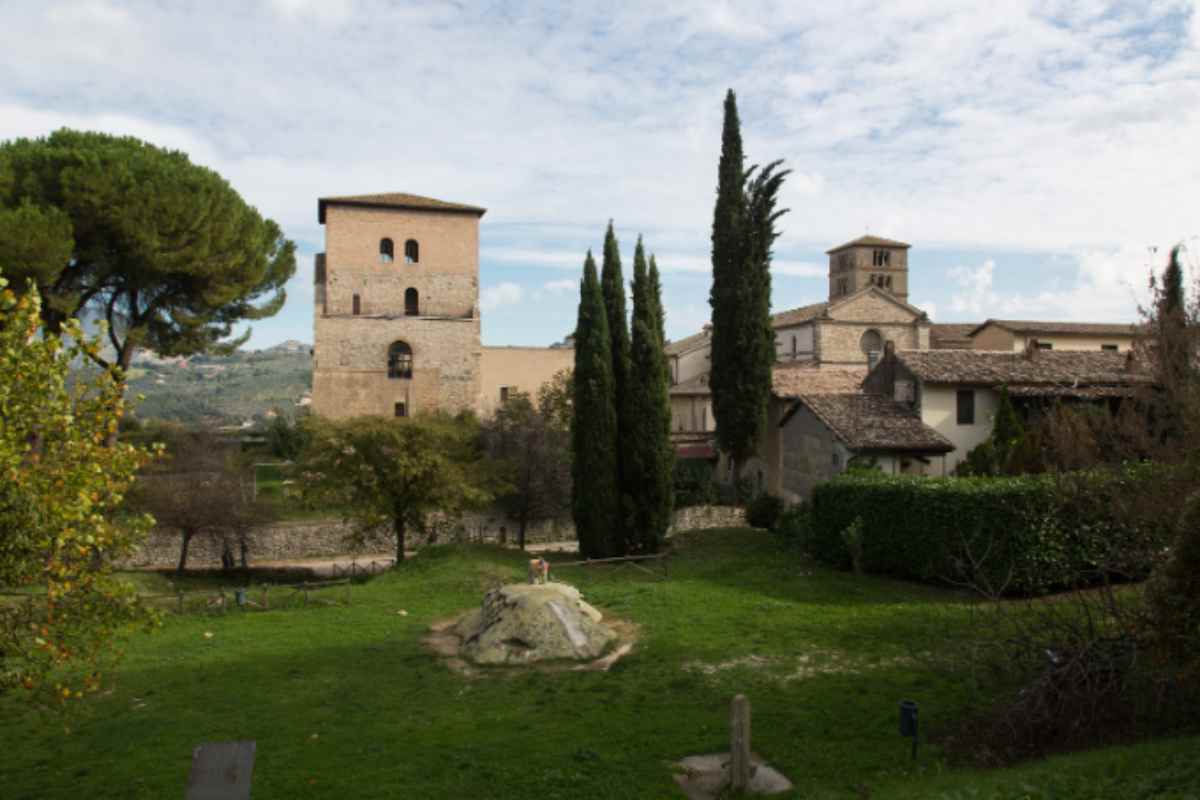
(612, 282)
(742, 341)
(649, 458)
(595, 499)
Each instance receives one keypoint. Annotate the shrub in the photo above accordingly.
(795, 524)
(1000, 535)
(693, 483)
(764, 511)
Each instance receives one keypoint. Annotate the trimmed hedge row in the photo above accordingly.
(1018, 535)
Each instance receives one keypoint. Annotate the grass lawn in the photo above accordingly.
(345, 703)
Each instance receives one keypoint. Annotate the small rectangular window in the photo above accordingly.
(966, 407)
(503, 394)
(1112, 348)
(401, 410)
(1045, 346)
(356, 304)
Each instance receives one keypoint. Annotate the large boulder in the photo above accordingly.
(522, 623)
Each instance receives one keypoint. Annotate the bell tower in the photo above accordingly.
(869, 261)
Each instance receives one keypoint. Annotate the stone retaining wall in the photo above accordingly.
(326, 538)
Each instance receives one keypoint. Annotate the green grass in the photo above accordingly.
(345, 702)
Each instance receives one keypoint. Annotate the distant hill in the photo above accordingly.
(221, 390)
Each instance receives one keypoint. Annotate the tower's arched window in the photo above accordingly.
(412, 306)
(871, 342)
(400, 360)
(387, 251)
(356, 305)
(412, 252)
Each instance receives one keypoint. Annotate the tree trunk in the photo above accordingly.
(245, 551)
(524, 523)
(183, 551)
(398, 529)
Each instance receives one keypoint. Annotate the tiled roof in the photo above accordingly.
(868, 241)
(395, 200)
(783, 319)
(953, 336)
(799, 380)
(993, 367)
(695, 387)
(687, 343)
(1061, 328)
(795, 316)
(875, 422)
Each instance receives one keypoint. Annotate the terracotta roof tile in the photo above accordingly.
(875, 422)
(697, 386)
(797, 380)
(687, 343)
(1050, 327)
(795, 316)
(395, 200)
(868, 241)
(1045, 367)
(952, 336)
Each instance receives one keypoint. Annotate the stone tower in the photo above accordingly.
(869, 261)
(396, 316)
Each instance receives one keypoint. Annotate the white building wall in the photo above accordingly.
(939, 410)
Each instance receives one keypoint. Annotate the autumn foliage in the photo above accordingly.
(61, 485)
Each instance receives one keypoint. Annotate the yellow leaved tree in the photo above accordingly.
(61, 489)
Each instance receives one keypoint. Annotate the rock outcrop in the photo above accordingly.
(523, 623)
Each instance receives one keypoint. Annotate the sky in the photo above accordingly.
(1040, 157)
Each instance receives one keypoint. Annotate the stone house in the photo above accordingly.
(1016, 335)
(396, 320)
(956, 392)
(821, 433)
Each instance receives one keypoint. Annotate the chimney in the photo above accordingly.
(707, 329)
(1031, 349)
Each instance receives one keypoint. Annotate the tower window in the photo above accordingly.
(503, 394)
(401, 409)
(387, 252)
(880, 258)
(412, 306)
(1109, 347)
(412, 252)
(356, 305)
(400, 360)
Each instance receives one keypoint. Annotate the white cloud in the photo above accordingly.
(502, 294)
(559, 287)
(975, 288)
(1070, 130)
(1107, 284)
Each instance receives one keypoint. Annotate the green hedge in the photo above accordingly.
(1023, 535)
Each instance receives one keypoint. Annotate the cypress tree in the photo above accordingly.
(612, 282)
(649, 458)
(595, 499)
(742, 341)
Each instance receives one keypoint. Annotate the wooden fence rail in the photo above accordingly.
(662, 558)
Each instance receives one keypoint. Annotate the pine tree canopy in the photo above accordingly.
(162, 248)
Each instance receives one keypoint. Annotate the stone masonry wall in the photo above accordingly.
(327, 538)
(841, 342)
(350, 365)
